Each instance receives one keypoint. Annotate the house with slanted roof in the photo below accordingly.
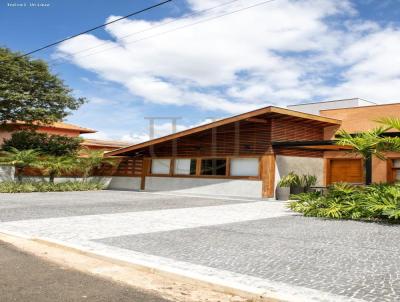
(65, 129)
(246, 155)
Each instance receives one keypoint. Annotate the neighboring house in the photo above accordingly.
(106, 145)
(246, 155)
(65, 129)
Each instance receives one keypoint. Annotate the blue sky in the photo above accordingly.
(282, 52)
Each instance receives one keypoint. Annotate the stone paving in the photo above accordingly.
(64, 204)
(254, 245)
(360, 260)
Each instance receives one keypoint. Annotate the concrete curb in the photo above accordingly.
(24, 243)
(250, 290)
(252, 294)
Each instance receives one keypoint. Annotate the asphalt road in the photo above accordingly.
(24, 277)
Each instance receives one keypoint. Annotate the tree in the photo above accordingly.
(366, 144)
(20, 159)
(57, 165)
(57, 145)
(30, 92)
(92, 159)
(390, 122)
(370, 143)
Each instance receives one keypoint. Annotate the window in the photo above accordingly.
(213, 167)
(160, 166)
(396, 169)
(244, 167)
(185, 166)
(397, 175)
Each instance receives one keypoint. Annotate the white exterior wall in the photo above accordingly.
(217, 186)
(299, 165)
(124, 183)
(314, 108)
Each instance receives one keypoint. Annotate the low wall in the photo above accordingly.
(300, 165)
(104, 179)
(124, 183)
(6, 173)
(111, 182)
(230, 187)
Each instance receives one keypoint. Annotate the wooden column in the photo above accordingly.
(267, 175)
(145, 171)
(198, 166)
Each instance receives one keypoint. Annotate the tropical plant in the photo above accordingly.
(57, 165)
(27, 187)
(375, 202)
(307, 181)
(293, 180)
(57, 145)
(366, 144)
(290, 180)
(390, 122)
(20, 159)
(90, 160)
(370, 143)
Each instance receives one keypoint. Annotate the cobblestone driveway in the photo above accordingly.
(258, 244)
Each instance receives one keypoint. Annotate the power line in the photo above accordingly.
(94, 28)
(178, 28)
(159, 25)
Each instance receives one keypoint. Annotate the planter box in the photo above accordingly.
(282, 193)
(296, 190)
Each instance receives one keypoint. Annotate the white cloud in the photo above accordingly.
(97, 135)
(101, 101)
(282, 52)
(160, 130)
(373, 70)
(135, 138)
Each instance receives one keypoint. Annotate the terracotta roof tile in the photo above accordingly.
(58, 125)
(105, 143)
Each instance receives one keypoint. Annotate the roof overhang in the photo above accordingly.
(55, 125)
(324, 145)
(241, 117)
(104, 143)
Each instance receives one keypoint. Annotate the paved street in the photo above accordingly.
(258, 245)
(27, 278)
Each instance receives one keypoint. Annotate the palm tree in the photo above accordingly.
(92, 159)
(57, 165)
(368, 144)
(365, 144)
(20, 159)
(390, 122)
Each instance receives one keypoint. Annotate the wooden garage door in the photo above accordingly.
(345, 170)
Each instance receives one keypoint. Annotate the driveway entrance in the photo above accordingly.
(250, 244)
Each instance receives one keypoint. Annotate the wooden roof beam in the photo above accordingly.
(222, 122)
(257, 120)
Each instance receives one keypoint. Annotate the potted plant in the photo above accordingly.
(286, 186)
(294, 184)
(307, 181)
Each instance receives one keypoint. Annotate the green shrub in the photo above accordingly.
(290, 180)
(55, 145)
(374, 202)
(27, 187)
(293, 180)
